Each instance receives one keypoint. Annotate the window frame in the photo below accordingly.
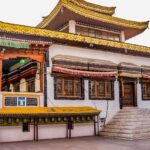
(17, 102)
(105, 34)
(68, 97)
(101, 98)
(26, 127)
(142, 89)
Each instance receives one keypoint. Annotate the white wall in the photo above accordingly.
(99, 104)
(96, 54)
(114, 105)
(14, 133)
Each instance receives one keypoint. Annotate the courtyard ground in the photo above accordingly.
(88, 143)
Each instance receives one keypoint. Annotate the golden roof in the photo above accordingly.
(48, 110)
(19, 29)
(89, 13)
(94, 7)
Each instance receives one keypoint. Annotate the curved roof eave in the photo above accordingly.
(92, 15)
(95, 7)
(33, 31)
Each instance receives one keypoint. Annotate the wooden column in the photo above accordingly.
(34, 131)
(37, 132)
(122, 88)
(135, 88)
(94, 126)
(1, 70)
(97, 124)
(42, 77)
(135, 93)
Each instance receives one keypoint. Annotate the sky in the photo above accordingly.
(30, 12)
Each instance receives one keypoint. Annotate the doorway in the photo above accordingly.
(128, 99)
(128, 95)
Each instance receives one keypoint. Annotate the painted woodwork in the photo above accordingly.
(128, 94)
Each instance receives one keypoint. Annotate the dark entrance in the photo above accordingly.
(128, 98)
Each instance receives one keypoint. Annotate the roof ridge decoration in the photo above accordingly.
(92, 15)
(94, 7)
(33, 31)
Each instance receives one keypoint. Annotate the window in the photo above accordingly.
(98, 34)
(105, 35)
(92, 32)
(78, 30)
(68, 87)
(31, 85)
(16, 87)
(21, 101)
(116, 37)
(111, 36)
(31, 101)
(26, 127)
(10, 101)
(101, 89)
(84, 31)
(146, 90)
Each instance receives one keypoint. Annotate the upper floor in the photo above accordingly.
(83, 18)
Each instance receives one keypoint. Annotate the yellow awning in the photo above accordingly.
(48, 111)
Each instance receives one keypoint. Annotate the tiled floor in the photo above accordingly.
(88, 143)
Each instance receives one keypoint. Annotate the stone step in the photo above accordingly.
(126, 136)
(128, 127)
(141, 136)
(127, 131)
(117, 135)
(131, 119)
(132, 113)
(135, 110)
(129, 123)
(132, 116)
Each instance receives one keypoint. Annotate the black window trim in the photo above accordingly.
(112, 90)
(69, 98)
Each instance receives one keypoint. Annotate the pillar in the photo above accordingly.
(139, 93)
(11, 87)
(23, 85)
(42, 77)
(122, 36)
(72, 26)
(1, 70)
(37, 78)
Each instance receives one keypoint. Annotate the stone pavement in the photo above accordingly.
(88, 143)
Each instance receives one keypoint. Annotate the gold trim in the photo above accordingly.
(94, 7)
(50, 17)
(49, 110)
(19, 29)
(130, 75)
(92, 15)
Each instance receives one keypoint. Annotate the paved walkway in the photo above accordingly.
(90, 143)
